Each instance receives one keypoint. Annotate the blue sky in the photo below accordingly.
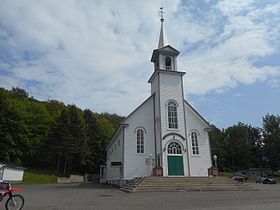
(96, 54)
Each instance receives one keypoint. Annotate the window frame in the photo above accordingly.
(174, 148)
(194, 143)
(172, 115)
(140, 141)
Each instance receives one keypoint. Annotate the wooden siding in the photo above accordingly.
(136, 164)
(170, 89)
(115, 154)
(199, 164)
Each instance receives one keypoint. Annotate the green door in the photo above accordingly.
(175, 166)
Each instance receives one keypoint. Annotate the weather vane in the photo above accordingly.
(161, 14)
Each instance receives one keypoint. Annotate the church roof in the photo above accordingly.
(166, 49)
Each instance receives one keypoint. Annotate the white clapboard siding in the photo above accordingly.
(198, 163)
(171, 89)
(136, 164)
(115, 154)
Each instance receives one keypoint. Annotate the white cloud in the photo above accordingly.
(96, 53)
(230, 7)
(241, 41)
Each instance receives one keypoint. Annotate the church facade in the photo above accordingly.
(165, 132)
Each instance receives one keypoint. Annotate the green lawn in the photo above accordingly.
(39, 176)
(227, 174)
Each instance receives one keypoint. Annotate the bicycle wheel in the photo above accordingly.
(15, 202)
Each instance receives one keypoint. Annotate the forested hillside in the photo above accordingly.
(49, 134)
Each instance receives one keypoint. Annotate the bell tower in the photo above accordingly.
(169, 112)
(165, 57)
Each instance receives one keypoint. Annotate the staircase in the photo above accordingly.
(169, 184)
(132, 184)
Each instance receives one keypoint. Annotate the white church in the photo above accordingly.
(165, 135)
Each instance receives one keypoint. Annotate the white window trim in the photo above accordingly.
(177, 154)
(197, 142)
(136, 131)
(167, 117)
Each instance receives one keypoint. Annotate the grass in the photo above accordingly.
(39, 176)
(226, 174)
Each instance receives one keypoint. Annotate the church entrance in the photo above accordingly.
(175, 166)
(175, 160)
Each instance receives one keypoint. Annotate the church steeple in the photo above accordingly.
(162, 36)
(165, 56)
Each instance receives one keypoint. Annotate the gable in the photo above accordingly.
(169, 49)
(190, 109)
(125, 122)
(138, 109)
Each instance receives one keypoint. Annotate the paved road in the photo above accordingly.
(94, 196)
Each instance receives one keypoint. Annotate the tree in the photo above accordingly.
(240, 146)
(105, 131)
(92, 158)
(69, 141)
(271, 135)
(19, 93)
(219, 146)
(237, 147)
(8, 150)
(13, 132)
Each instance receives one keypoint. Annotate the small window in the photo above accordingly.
(172, 115)
(195, 149)
(168, 63)
(174, 148)
(140, 141)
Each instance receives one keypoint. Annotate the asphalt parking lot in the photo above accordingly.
(99, 197)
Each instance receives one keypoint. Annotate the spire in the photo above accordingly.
(162, 36)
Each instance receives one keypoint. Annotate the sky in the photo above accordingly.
(96, 54)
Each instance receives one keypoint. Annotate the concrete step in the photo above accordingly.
(163, 184)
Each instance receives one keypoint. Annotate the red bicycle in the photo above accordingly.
(15, 201)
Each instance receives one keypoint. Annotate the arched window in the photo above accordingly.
(195, 149)
(168, 63)
(172, 115)
(174, 148)
(140, 140)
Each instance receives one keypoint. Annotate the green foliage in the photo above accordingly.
(226, 174)
(271, 134)
(237, 147)
(51, 135)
